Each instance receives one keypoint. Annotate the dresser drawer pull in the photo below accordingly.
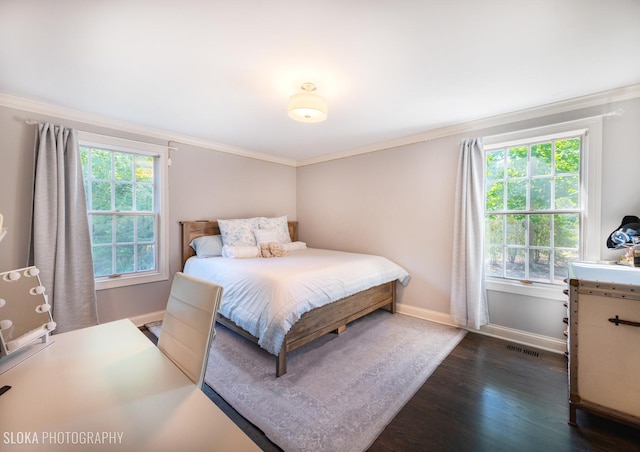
(618, 321)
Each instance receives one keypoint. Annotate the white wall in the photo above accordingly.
(399, 203)
(203, 184)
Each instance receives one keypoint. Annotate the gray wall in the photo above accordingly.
(399, 203)
(203, 184)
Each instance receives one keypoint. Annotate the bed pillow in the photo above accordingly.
(238, 232)
(207, 245)
(280, 224)
(240, 252)
(294, 246)
(267, 236)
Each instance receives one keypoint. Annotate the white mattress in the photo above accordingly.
(267, 296)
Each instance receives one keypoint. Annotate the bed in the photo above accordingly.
(316, 319)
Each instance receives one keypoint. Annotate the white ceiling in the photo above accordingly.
(222, 71)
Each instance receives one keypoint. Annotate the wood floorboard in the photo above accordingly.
(487, 395)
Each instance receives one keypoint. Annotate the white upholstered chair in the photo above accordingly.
(188, 326)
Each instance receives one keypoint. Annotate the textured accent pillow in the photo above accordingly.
(207, 246)
(271, 249)
(280, 224)
(266, 236)
(238, 232)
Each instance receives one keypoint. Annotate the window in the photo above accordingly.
(126, 209)
(536, 204)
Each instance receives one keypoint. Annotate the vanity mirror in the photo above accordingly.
(25, 314)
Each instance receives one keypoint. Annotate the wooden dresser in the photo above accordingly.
(604, 341)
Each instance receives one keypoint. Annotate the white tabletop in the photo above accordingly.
(109, 388)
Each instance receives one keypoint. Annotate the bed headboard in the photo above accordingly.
(195, 229)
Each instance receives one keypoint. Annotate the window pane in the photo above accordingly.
(144, 169)
(516, 229)
(102, 260)
(514, 265)
(540, 226)
(119, 183)
(540, 194)
(567, 192)
(494, 196)
(493, 229)
(124, 196)
(101, 196)
(125, 258)
(566, 230)
(541, 159)
(516, 195)
(494, 261)
(539, 262)
(123, 166)
(146, 257)
(568, 156)
(517, 162)
(101, 229)
(100, 164)
(561, 264)
(144, 198)
(534, 177)
(124, 229)
(146, 228)
(495, 164)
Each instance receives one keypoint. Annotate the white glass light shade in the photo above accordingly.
(307, 107)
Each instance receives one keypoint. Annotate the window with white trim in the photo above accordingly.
(540, 189)
(126, 205)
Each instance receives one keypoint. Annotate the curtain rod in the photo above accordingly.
(32, 122)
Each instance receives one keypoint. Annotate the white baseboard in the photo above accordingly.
(141, 320)
(500, 332)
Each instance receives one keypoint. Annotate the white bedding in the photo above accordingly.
(267, 296)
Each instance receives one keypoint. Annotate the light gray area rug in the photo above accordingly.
(339, 391)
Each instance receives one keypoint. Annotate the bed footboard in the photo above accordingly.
(333, 317)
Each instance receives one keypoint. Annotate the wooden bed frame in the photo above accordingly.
(313, 324)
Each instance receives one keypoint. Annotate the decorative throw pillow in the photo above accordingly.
(207, 246)
(238, 232)
(280, 224)
(240, 252)
(271, 249)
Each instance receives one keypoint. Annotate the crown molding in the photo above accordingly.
(601, 98)
(69, 114)
(591, 100)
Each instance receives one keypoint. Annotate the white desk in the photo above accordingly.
(110, 381)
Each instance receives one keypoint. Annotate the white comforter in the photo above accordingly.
(267, 296)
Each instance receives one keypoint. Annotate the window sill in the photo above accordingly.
(547, 291)
(129, 280)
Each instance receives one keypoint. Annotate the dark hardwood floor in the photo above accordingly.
(488, 395)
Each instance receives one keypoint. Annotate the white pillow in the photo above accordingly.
(207, 245)
(294, 246)
(266, 236)
(240, 252)
(280, 224)
(238, 232)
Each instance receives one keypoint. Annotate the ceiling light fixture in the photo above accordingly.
(307, 106)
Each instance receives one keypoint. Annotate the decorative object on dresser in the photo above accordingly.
(302, 316)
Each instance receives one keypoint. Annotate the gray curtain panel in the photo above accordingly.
(468, 293)
(61, 241)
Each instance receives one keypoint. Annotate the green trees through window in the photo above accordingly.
(122, 215)
(533, 209)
